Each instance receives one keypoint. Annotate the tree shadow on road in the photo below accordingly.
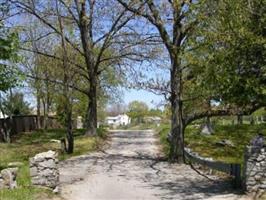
(194, 190)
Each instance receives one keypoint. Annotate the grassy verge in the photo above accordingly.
(205, 145)
(163, 131)
(27, 145)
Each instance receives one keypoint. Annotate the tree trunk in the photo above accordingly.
(39, 126)
(257, 120)
(208, 122)
(47, 102)
(66, 92)
(91, 124)
(5, 134)
(207, 128)
(87, 45)
(239, 119)
(69, 132)
(8, 129)
(251, 120)
(5, 129)
(177, 123)
(44, 115)
(177, 141)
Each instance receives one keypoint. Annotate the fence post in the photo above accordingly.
(236, 171)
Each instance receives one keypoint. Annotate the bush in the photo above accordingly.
(102, 132)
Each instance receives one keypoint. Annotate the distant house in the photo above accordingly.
(153, 119)
(2, 115)
(119, 120)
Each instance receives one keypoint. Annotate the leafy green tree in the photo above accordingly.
(15, 104)
(137, 110)
(8, 47)
(155, 112)
(97, 32)
(205, 54)
(234, 53)
(9, 75)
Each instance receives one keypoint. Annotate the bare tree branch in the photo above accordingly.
(84, 91)
(27, 8)
(80, 67)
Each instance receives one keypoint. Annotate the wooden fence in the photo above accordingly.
(231, 169)
(26, 123)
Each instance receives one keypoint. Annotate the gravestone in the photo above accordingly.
(207, 129)
(257, 142)
(79, 122)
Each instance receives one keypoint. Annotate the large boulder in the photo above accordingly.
(8, 178)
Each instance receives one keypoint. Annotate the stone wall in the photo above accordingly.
(8, 178)
(44, 170)
(254, 172)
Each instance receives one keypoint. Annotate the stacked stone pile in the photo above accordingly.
(44, 170)
(255, 169)
(8, 178)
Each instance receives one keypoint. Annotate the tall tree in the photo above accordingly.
(9, 74)
(177, 23)
(138, 110)
(66, 92)
(8, 48)
(15, 104)
(97, 28)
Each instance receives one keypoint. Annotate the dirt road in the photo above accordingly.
(129, 169)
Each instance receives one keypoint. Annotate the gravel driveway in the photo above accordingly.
(131, 169)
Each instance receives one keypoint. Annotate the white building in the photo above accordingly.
(119, 120)
(2, 115)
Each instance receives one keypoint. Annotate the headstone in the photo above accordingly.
(207, 130)
(79, 122)
(258, 141)
(44, 170)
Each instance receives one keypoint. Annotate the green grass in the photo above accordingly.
(163, 130)
(27, 145)
(206, 146)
